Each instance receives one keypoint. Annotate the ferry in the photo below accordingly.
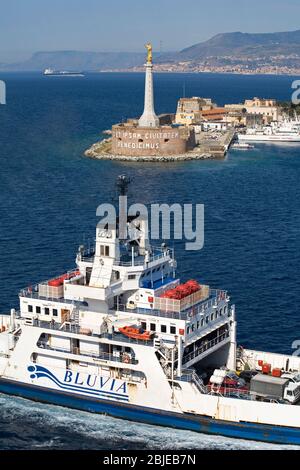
(54, 73)
(242, 146)
(121, 335)
(276, 132)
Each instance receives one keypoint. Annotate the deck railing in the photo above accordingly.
(123, 358)
(205, 347)
(200, 307)
(125, 339)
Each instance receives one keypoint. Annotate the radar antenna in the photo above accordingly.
(122, 184)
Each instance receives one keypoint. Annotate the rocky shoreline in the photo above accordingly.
(102, 151)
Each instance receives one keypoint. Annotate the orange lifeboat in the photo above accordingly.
(60, 280)
(136, 333)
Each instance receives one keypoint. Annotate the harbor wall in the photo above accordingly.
(153, 141)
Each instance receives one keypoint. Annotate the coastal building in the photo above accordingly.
(189, 110)
(215, 114)
(151, 135)
(268, 108)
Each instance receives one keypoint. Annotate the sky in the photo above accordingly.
(27, 26)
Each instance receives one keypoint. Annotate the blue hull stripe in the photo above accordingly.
(39, 371)
(242, 430)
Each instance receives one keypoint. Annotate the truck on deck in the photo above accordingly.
(278, 388)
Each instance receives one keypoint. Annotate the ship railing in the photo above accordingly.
(32, 291)
(124, 339)
(190, 375)
(69, 327)
(201, 307)
(87, 259)
(229, 392)
(205, 347)
(157, 253)
(199, 383)
(87, 255)
(152, 312)
(125, 358)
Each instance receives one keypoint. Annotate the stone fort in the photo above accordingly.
(151, 135)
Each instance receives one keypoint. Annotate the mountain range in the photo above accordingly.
(223, 50)
(244, 44)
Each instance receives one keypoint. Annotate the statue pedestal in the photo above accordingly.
(149, 118)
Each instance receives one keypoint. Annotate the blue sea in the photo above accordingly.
(49, 193)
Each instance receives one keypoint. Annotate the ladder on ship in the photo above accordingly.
(198, 383)
(244, 362)
(166, 357)
(75, 318)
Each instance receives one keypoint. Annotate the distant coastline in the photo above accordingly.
(202, 72)
(292, 73)
(235, 53)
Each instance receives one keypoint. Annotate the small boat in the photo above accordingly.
(242, 146)
(136, 333)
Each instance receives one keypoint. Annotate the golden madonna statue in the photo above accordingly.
(148, 46)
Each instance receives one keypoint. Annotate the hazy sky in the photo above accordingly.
(27, 26)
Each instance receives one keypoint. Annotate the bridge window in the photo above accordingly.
(104, 250)
(173, 330)
(30, 308)
(207, 319)
(163, 328)
(55, 312)
(47, 311)
(144, 325)
(152, 327)
(131, 276)
(38, 309)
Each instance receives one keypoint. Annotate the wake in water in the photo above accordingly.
(29, 425)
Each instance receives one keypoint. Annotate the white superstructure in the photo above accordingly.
(110, 337)
(64, 73)
(286, 131)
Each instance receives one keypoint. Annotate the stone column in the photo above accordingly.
(149, 118)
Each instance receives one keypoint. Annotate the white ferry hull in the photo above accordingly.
(185, 421)
(63, 75)
(147, 358)
(196, 412)
(267, 138)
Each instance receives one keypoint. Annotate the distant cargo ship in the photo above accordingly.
(64, 73)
